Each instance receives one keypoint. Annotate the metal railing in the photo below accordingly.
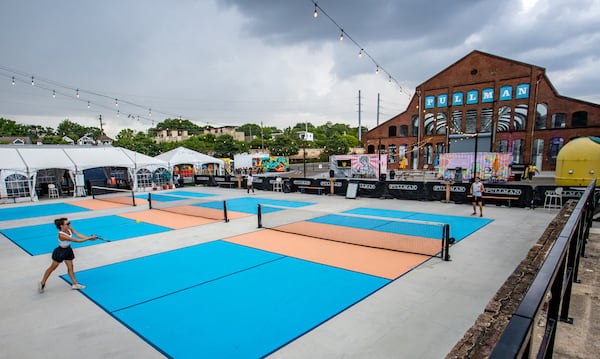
(547, 299)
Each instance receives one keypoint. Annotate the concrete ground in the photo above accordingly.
(420, 315)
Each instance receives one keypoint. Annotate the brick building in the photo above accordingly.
(485, 103)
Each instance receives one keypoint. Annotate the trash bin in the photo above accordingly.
(392, 174)
(458, 174)
(517, 176)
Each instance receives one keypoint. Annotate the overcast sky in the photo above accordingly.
(231, 62)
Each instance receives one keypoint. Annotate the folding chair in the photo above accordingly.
(554, 199)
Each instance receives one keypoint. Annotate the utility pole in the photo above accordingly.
(377, 109)
(262, 138)
(359, 111)
(101, 129)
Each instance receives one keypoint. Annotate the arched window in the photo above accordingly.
(392, 154)
(429, 123)
(554, 146)
(541, 114)
(428, 154)
(520, 118)
(503, 119)
(415, 125)
(579, 119)
(392, 131)
(456, 122)
(441, 123)
(471, 121)
(486, 120)
(502, 146)
(370, 149)
(144, 177)
(517, 150)
(16, 185)
(403, 131)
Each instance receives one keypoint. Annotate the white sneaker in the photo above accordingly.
(41, 287)
(78, 286)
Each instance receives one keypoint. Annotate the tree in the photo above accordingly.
(71, 129)
(336, 145)
(284, 145)
(11, 128)
(178, 124)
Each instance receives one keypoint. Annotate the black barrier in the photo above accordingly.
(407, 190)
(201, 180)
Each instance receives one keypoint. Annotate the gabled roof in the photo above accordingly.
(182, 155)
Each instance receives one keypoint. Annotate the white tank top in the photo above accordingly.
(62, 243)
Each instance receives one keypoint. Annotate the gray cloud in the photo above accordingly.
(233, 61)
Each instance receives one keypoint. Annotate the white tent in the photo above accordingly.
(146, 167)
(182, 155)
(20, 165)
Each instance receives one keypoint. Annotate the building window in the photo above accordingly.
(559, 120)
(413, 155)
(554, 146)
(415, 125)
(392, 131)
(520, 118)
(537, 152)
(441, 123)
(403, 130)
(439, 148)
(392, 155)
(402, 151)
(471, 121)
(579, 119)
(370, 149)
(456, 122)
(502, 146)
(541, 114)
(16, 185)
(503, 119)
(429, 123)
(517, 151)
(428, 154)
(486, 120)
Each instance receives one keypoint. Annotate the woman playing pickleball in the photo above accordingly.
(64, 252)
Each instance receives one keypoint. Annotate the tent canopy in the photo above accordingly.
(182, 155)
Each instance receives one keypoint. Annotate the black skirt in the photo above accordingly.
(63, 254)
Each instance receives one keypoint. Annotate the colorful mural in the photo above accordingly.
(271, 164)
(489, 165)
(358, 166)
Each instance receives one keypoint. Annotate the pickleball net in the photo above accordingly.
(203, 207)
(114, 195)
(396, 234)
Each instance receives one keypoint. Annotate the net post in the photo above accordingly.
(133, 197)
(149, 200)
(446, 243)
(259, 215)
(92, 190)
(225, 211)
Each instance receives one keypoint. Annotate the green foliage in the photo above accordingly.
(284, 145)
(11, 128)
(177, 124)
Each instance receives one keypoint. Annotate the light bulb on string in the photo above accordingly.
(360, 53)
(32, 81)
(315, 14)
(342, 35)
(54, 93)
(377, 70)
(77, 93)
(88, 104)
(116, 102)
(118, 113)
(149, 112)
(13, 80)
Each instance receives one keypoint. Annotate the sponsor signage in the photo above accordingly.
(473, 97)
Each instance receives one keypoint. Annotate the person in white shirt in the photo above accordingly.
(64, 252)
(477, 190)
(249, 182)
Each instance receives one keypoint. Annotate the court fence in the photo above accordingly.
(521, 320)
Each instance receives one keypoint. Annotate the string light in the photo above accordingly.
(54, 93)
(362, 51)
(32, 81)
(116, 102)
(377, 70)
(149, 112)
(13, 80)
(77, 93)
(88, 104)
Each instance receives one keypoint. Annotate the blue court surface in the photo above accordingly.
(165, 197)
(43, 238)
(460, 227)
(222, 300)
(8, 214)
(250, 204)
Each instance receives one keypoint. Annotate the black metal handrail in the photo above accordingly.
(549, 295)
